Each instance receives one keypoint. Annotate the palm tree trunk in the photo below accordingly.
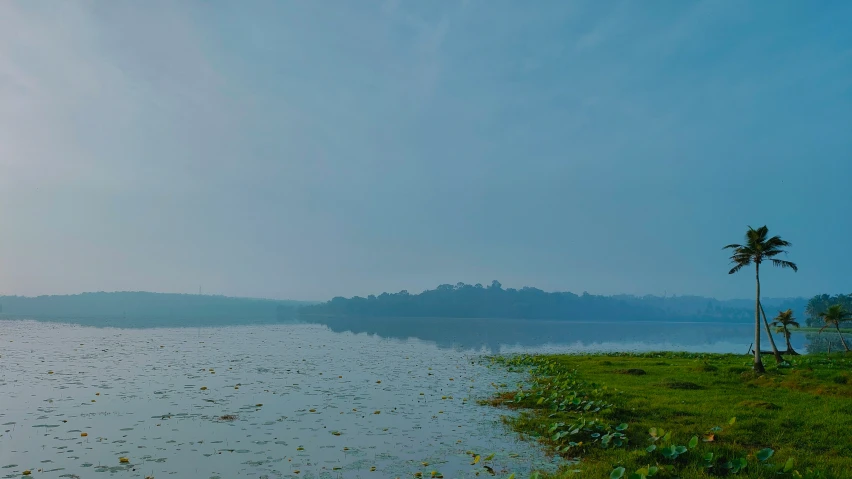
(790, 349)
(778, 358)
(837, 325)
(758, 364)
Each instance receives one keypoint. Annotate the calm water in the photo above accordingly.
(137, 393)
(512, 335)
(309, 400)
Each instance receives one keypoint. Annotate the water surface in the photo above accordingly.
(520, 335)
(306, 402)
(330, 398)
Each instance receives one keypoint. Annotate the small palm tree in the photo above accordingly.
(833, 316)
(757, 249)
(783, 322)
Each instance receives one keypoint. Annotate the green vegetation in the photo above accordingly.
(783, 322)
(821, 302)
(494, 301)
(807, 329)
(833, 316)
(757, 249)
(142, 309)
(686, 415)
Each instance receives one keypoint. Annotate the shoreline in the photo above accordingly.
(692, 414)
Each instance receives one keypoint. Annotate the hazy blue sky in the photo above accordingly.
(296, 149)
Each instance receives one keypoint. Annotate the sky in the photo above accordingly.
(305, 150)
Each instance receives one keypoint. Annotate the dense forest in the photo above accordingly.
(131, 309)
(493, 301)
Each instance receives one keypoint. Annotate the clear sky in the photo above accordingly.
(296, 149)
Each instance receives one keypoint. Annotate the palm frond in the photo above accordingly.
(785, 264)
(738, 267)
(758, 248)
(777, 242)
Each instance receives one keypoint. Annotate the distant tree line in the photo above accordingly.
(143, 309)
(820, 303)
(493, 301)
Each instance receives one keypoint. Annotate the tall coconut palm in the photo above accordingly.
(757, 249)
(783, 322)
(833, 316)
(775, 352)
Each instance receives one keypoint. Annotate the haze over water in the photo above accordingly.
(308, 150)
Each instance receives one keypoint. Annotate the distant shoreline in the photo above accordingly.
(548, 320)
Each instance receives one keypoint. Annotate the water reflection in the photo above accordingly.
(512, 335)
(824, 343)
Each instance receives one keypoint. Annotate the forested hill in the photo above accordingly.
(143, 309)
(477, 301)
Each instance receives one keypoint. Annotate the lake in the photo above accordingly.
(161, 397)
(495, 336)
(342, 399)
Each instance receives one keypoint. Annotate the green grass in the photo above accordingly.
(830, 331)
(575, 404)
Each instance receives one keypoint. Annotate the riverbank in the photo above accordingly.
(826, 331)
(696, 415)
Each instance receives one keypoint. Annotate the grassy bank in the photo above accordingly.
(686, 415)
(829, 332)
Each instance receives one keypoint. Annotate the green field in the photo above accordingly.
(686, 415)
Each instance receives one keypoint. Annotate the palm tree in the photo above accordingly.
(783, 322)
(757, 249)
(833, 316)
(775, 352)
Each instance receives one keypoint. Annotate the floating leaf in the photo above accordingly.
(123, 460)
(475, 460)
(788, 466)
(764, 454)
(732, 421)
(693, 442)
(651, 448)
(621, 427)
(617, 473)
